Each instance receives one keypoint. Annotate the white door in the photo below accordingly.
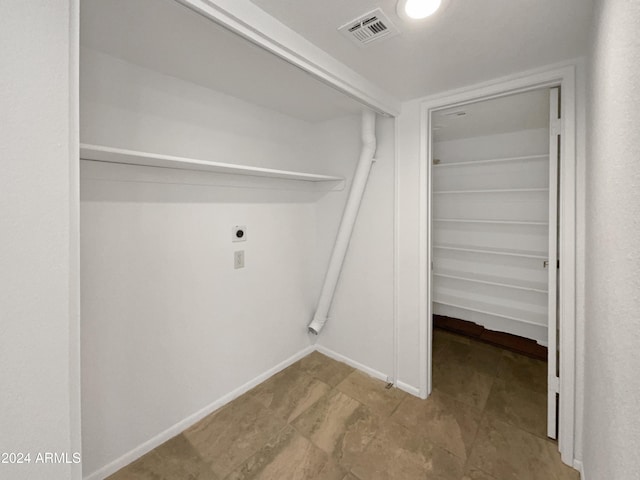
(553, 263)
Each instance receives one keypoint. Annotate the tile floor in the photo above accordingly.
(322, 420)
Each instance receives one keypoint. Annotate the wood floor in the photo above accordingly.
(321, 419)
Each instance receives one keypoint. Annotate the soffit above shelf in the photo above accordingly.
(232, 47)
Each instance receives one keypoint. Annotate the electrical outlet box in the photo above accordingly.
(239, 233)
(238, 259)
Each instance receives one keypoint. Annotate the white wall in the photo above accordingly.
(360, 325)
(169, 327)
(38, 322)
(133, 107)
(408, 272)
(612, 336)
(581, 113)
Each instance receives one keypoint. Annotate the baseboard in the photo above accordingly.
(535, 332)
(502, 339)
(405, 387)
(577, 464)
(181, 426)
(352, 363)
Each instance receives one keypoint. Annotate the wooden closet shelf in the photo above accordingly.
(101, 153)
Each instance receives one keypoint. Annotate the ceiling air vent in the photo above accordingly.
(369, 28)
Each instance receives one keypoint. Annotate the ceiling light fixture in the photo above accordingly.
(417, 9)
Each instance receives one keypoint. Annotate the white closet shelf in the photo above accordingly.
(496, 190)
(101, 153)
(491, 160)
(493, 251)
(474, 277)
(511, 313)
(493, 222)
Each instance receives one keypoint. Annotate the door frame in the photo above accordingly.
(565, 77)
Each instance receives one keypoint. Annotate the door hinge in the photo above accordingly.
(554, 384)
(556, 126)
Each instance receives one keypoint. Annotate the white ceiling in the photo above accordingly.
(467, 42)
(511, 113)
(166, 37)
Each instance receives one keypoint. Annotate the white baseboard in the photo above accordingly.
(577, 464)
(352, 363)
(405, 387)
(182, 425)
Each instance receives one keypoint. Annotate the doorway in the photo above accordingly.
(443, 291)
(494, 228)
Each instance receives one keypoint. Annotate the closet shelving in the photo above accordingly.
(492, 308)
(509, 252)
(488, 221)
(498, 281)
(489, 226)
(489, 190)
(132, 157)
(490, 161)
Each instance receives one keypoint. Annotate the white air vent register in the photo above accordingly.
(369, 28)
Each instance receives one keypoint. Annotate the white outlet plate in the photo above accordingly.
(239, 233)
(238, 259)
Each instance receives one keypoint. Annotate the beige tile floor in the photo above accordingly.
(322, 420)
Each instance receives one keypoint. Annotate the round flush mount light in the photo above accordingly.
(417, 9)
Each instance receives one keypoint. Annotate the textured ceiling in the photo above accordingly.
(467, 42)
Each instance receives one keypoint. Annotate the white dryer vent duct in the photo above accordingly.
(348, 221)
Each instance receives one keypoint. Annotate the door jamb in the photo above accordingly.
(566, 78)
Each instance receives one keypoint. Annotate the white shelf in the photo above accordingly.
(492, 160)
(131, 157)
(493, 222)
(517, 284)
(496, 190)
(494, 251)
(497, 310)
